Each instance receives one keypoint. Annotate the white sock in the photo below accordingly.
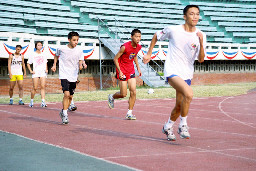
(31, 101)
(20, 99)
(65, 112)
(11, 98)
(72, 102)
(129, 112)
(183, 121)
(43, 100)
(169, 123)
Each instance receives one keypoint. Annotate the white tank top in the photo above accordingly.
(16, 65)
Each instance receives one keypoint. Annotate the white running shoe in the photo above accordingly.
(64, 118)
(72, 107)
(183, 131)
(43, 104)
(130, 117)
(31, 104)
(110, 101)
(169, 132)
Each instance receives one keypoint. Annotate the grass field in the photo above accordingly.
(199, 91)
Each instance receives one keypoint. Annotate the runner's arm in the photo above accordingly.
(137, 65)
(23, 66)
(118, 55)
(147, 57)
(201, 51)
(9, 66)
(54, 63)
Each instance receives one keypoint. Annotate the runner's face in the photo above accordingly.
(136, 38)
(73, 41)
(18, 49)
(39, 46)
(192, 16)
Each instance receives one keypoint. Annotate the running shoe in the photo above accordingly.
(130, 117)
(64, 118)
(169, 133)
(110, 101)
(72, 107)
(31, 104)
(21, 102)
(183, 131)
(43, 104)
(11, 102)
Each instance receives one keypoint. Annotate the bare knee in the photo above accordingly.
(188, 97)
(133, 93)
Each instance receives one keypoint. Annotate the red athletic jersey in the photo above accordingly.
(126, 60)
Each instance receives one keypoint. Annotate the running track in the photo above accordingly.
(223, 132)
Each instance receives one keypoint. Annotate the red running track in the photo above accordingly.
(223, 132)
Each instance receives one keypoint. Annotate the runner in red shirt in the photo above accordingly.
(125, 71)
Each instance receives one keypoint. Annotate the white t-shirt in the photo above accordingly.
(39, 64)
(183, 49)
(69, 62)
(16, 65)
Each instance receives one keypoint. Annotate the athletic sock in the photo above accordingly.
(11, 98)
(129, 112)
(65, 112)
(72, 102)
(20, 99)
(43, 100)
(183, 121)
(169, 123)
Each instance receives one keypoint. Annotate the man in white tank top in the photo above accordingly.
(15, 65)
(186, 43)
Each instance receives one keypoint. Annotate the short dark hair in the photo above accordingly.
(19, 46)
(135, 31)
(71, 34)
(185, 10)
(37, 43)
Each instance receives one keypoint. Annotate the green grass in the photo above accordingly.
(199, 91)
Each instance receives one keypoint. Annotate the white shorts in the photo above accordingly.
(42, 74)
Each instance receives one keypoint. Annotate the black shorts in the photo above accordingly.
(68, 86)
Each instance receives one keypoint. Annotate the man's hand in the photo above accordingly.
(200, 36)
(140, 74)
(146, 58)
(10, 76)
(53, 68)
(25, 75)
(121, 75)
(84, 65)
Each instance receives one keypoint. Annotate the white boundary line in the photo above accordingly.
(223, 112)
(78, 152)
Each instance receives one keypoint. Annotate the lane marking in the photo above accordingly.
(225, 113)
(69, 149)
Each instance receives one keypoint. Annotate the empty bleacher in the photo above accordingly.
(222, 20)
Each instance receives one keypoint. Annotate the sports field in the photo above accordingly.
(222, 129)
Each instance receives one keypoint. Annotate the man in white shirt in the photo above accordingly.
(70, 62)
(186, 43)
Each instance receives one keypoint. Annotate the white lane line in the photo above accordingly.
(225, 113)
(75, 151)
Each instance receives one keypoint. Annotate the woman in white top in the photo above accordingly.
(39, 72)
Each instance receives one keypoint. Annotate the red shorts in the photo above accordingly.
(127, 76)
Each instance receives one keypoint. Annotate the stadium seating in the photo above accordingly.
(222, 20)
